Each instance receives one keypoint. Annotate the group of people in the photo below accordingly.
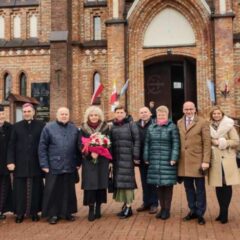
(164, 152)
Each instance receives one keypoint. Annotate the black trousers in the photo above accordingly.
(224, 196)
(150, 197)
(165, 196)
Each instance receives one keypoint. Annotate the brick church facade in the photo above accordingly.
(170, 50)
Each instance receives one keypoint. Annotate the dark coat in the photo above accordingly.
(125, 149)
(5, 132)
(142, 134)
(162, 145)
(94, 176)
(58, 149)
(23, 148)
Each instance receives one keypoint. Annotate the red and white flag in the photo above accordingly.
(97, 92)
(114, 96)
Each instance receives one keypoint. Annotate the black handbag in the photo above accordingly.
(110, 181)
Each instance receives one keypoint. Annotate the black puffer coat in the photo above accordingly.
(94, 176)
(125, 149)
(5, 132)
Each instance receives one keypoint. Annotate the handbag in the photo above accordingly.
(110, 181)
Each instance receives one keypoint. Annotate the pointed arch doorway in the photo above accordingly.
(170, 81)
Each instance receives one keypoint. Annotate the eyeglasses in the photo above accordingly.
(188, 109)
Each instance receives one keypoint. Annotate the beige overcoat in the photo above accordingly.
(224, 155)
(195, 146)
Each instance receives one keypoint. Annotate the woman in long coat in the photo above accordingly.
(224, 171)
(94, 174)
(161, 152)
(126, 151)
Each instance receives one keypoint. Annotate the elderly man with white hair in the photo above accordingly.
(59, 159)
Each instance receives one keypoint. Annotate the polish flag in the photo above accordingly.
(114, 96)
(96, 93)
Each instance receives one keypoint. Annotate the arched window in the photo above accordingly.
(96, 83)
(222, 6)
(97, 28)
(23, 84)
(33, 27)
(17, 27)
(7, 85)
(2, 27)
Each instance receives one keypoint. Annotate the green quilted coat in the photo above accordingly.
(162, 145)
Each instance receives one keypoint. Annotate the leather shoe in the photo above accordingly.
(121, 213)
(201, 221)
(190, 216)
(70, 218)
(218, 218)
(153, 210)
(19, 219)
(127, 213)
(2, 216)
(142, 208)
(159, 214)
(53, 220)
(35, 218)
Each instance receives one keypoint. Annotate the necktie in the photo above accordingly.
(188, 122)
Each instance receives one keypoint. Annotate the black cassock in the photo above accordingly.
(59, 153)
(59, 195)
(28, 177)
(5, 180)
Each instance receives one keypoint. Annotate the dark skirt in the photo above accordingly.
(27, 195)
(91, 197)
(5, 194)
(59, 195)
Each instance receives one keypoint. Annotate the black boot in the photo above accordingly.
(126, 213)
(165, 214)
(98, 211)
(91, 216)
(122, 211)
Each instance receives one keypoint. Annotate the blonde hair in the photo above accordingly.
(214, 108)
(94, 109)
(162, 108)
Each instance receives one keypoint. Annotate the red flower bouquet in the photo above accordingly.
(97, 143)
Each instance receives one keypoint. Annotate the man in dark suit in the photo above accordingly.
(23, 160)
(150, 198)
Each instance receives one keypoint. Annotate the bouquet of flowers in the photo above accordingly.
(97, 143)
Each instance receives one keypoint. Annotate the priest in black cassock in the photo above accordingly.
(5, 180)
(60, 159)
(22, 159)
